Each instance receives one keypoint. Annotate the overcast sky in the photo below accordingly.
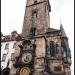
(12, 15)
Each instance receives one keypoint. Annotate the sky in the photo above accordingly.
(12, 16)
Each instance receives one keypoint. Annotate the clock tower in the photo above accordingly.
(42, 50)
(36, 19)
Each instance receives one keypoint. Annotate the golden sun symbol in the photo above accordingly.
(25, 71)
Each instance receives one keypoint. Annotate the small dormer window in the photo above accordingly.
(7, 46)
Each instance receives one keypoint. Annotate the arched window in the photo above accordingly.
(63, 45)
(34, 14)
(52, 49)
(33, 31)
(34, 18)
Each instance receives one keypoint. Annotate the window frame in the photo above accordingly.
(12, 56)
(14, 45)
(52, 48)
(6, 46)
(4, 57)
(34, 13)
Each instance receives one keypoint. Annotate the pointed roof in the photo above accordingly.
(62, 31)
(52, 30)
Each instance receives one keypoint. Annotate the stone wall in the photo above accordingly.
(41, 22)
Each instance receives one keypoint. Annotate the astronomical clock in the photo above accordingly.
(25, 62)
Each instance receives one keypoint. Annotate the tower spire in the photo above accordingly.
(62, 30)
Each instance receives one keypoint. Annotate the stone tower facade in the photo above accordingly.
(42, 50)
(36, 17)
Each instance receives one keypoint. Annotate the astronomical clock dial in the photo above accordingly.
(25, 71)
(26, 58)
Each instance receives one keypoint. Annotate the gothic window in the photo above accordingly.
(52, 49)
(12, 56)
(7, 46)
(64, 54)
(63, 45)
(14, 45)
(65, 49)
(4, 57)
(34, 14)
(34, 17)
(32, 31)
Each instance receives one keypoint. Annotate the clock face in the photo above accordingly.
(26, 58)
(24, 71)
